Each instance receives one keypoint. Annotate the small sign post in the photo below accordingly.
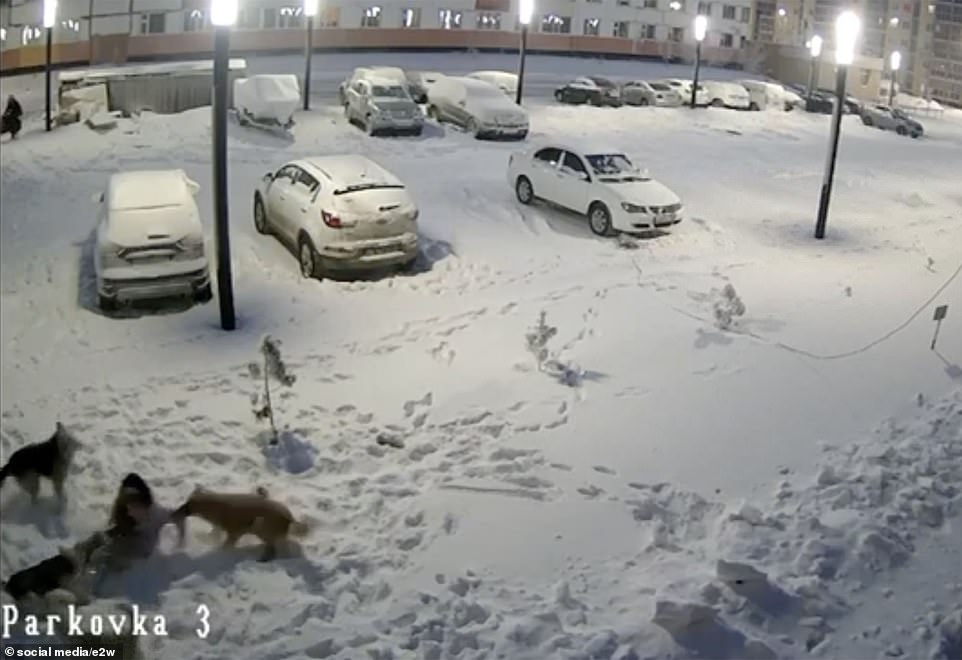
(940, 313)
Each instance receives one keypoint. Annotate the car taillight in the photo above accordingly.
(331, 220)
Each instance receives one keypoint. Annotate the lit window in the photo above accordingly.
(291, 17)
(194, 21)
(489, 21)
(592, 27)
(411, 17)
(554, 24)
(371, 17)
(450, 19)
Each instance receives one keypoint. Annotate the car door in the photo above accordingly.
(544, 166)
(277, 199)
(300, 201)
(573, 183)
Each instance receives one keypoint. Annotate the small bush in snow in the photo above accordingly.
(537, 340)
(727, 308)
(273, 369)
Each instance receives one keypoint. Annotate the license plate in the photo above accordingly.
(382, 250)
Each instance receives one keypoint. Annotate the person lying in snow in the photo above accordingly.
(11, 117)
(135, 524)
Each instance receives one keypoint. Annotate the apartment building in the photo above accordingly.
(945, 66)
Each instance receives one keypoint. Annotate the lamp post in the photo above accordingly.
(701, 29)
(815, 48)
(847, 27)
(895, 61)
(310, 11)
(223, 14)
(49, 19)
(525, 10)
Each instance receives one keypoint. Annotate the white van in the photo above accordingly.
(726, 95)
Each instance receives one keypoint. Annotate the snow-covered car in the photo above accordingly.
(600, 183)
(382, 106)
(150, 243)
(683, 87)
(478, 107)
(723, 94)
(641, 92)
(393, 73)
(765, 95)
(341, 213)
(890, 119)
(505, 81)
(589, 89)
(268, 100)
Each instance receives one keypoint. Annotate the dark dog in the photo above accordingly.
(11, 122)
(64, 571)
(50, 459)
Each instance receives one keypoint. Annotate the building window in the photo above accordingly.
(489, 21)
(248, 18)
(554, 24)
(647, 31)
(676, 34)
(651, 4)
(864, 76)
(620, 29)
(746, 16)
(592, 27)
(727, 41)
(704, 8)
(450, 19)
(153, 23)
(371, 17)
(411, 17)
(330, 17)
(194, 21)
(744, 42)
(291, 17)
(270, 18)
(728, 12)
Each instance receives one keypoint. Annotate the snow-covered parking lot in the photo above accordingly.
(788, 486)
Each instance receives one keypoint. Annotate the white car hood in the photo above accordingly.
(488, 109)
(643, 193)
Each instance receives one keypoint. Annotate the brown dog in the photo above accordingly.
(238, 514)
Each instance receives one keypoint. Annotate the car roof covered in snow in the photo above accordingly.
(149, 189)
(347, 170)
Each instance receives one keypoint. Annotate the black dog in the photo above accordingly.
(50, 459)
(63, 571)
(11, 118)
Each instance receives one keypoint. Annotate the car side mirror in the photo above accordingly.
(583, 176)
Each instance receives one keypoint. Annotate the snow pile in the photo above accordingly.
(267, 98)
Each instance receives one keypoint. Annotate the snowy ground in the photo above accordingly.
(523, 518)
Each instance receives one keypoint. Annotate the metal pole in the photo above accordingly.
(811, 80)
(307, 62)
(694, 84)
(47, 73)
(225, 292)
(524, 48)
(832, 152)
(892, 89)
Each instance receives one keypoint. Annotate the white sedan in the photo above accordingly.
(600, 183)
(341, 213)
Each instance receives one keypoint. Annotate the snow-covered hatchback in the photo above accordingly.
(600, 183)
(150, 243)
(340, 213)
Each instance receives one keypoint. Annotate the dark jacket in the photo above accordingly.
(13, 109)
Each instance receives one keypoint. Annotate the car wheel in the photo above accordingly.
(369, 126)
(433, 114)
(753, 107)
(916, 135)
(473, 128)
(307, 258)
(901, 130)
(596, 101)
(559, 96)
(523, 190)
(717, 103)
(204, 294)
(867, 121)
(599, 219)
(260, 216)
(417, 132)
(107, 303)
(643, 101)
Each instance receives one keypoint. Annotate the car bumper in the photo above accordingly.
(502, 130)
(399, 125)
(130, 288)
(633, 222)
(366, 255)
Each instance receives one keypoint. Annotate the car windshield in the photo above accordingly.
(602, 82)
(612, 165)
(390, 91)
(898, 114)
(660, 87)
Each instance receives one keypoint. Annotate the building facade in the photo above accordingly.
(945, 67)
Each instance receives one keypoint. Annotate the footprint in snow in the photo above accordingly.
(591, 491)
(603, 469)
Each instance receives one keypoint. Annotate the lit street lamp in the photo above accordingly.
(525, 10)
(701, 29)
(895, 61)
(815, 48)
(223, 14)
(49, 19)
(310, 10)
(847, 27)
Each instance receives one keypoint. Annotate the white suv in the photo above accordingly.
(341, 213)
(382, 106)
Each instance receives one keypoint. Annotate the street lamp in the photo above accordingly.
(895, 61)
(701, 29)
(525, 10)
(310, 10)
(49, 19)
(847, 27)
(223, 14)
(815, 48)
